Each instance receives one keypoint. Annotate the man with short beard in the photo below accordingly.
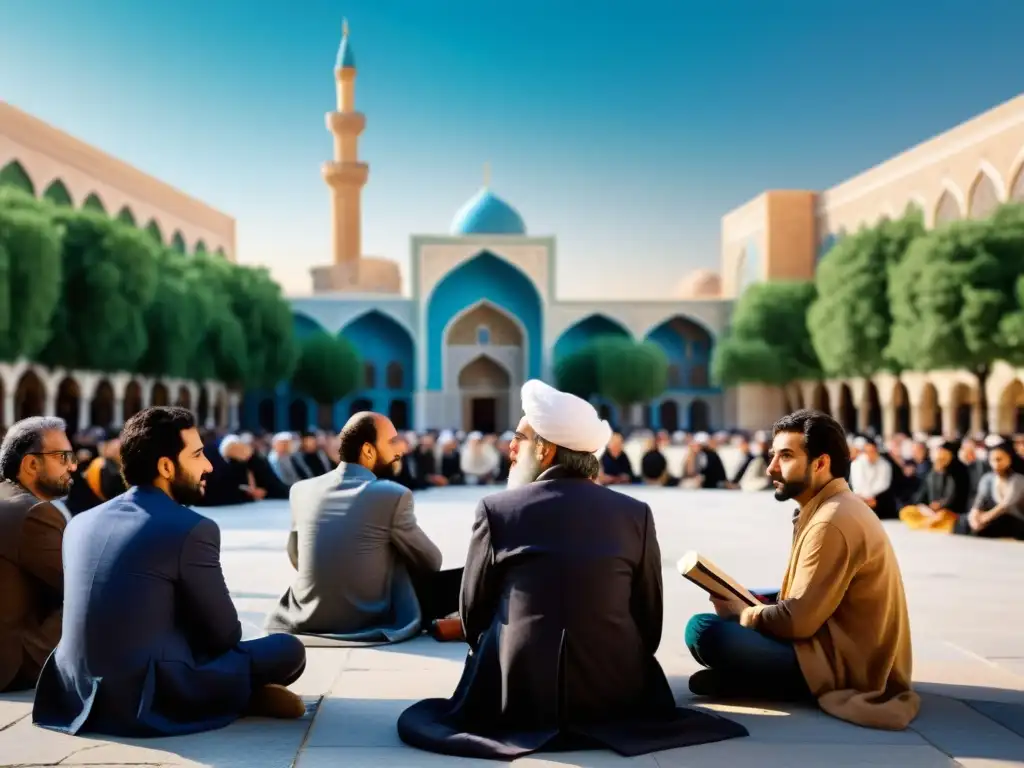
(151, 643)
(561, 605)
(839, 630)
(36, 465)
(365, 571)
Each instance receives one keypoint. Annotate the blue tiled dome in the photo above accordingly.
(487, 214)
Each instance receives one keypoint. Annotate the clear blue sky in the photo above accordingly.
(625, 128)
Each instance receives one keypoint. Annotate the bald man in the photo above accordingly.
(366, 571)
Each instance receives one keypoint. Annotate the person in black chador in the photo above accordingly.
(561, 604)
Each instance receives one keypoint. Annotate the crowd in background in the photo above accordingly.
(909, 477)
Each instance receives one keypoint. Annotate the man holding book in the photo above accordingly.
(839, 630)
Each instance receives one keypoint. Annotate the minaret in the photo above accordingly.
(345, 175)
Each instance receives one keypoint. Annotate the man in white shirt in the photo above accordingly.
(871, 478)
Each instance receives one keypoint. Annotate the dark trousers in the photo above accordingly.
(1003, 527)
(275, 659)
(751, 663)
(438, 592)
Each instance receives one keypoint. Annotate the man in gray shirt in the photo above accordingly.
(365, 571)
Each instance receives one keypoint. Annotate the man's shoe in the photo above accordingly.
(276, 701)
(704, 682)
(718, 685)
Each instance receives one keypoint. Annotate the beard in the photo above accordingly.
(525, 470)
(387, 470)
(55, 487)
(791, 488)
(186, 490)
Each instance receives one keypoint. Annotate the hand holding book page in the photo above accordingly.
(696, 568)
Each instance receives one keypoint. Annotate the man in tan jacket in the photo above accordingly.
(839, 631)
(36, 463)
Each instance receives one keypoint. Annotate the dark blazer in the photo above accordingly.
(31, 584)
(150, 636)
(356, 544)
(561, 603)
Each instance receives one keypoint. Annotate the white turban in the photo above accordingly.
(564, 419)
(282, 436)
(226, 443)
(474, 436)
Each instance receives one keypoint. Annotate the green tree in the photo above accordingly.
(266, 319)
(328, 368)
(109, 279)
(768, 341)
(954, 298)
(577, 374)
(849, 320)
(223, 352)
(629, 372)
(177, 319)
(30, 281)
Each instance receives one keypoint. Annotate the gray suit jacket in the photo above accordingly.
(354, 541)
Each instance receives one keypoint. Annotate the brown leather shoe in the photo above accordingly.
(276, 701)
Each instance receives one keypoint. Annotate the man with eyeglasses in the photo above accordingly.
(36, 466)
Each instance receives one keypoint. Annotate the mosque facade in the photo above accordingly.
(484, 316)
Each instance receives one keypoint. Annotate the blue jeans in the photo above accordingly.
(762, 665)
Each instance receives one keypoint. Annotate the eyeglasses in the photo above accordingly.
(64, 457)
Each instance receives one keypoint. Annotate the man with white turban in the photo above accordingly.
(479, 460)
(561, 605)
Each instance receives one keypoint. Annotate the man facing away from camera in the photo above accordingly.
(36, 466)
(561, 605)
(365, 570)
(839, 631)
(151, 642)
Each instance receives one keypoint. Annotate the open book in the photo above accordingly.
(712, 579)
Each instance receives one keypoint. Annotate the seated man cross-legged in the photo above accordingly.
(151, 644)
(366, 573)
(839, 631)
(561, 605)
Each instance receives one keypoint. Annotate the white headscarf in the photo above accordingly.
(564, 419)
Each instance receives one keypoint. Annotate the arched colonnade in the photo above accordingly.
(91, 399)
(938, 402)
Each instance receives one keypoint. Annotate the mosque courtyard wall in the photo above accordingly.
(965, 172)
(47, 162)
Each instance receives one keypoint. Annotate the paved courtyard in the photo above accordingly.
(968, 642)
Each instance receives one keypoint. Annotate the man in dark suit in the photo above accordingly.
(561, 604)
(36, 465)
(151, 642)
(366, 571)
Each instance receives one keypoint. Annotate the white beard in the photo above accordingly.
(525, 471)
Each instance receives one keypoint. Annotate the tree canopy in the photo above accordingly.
(82, 290)
(617, 368)
(953, 292)
(768, 341)
(850, 320)
(328, 367)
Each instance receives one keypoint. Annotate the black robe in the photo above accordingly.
(561, 603)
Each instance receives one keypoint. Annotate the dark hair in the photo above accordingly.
(25, 437)
(823, 436)
(150, 435)
(360, 429)
(579, 463)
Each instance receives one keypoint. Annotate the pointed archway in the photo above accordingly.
(484, 394)
(488, 278)
(586, 330)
